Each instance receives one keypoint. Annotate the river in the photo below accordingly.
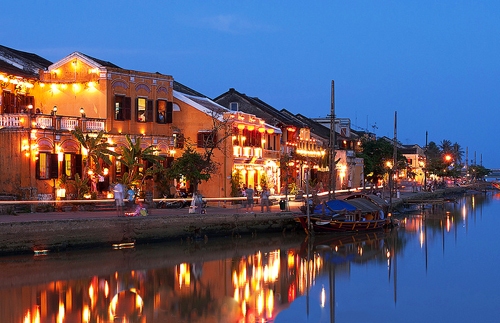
(440, 267)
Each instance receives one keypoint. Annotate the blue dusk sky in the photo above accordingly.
(434, 62)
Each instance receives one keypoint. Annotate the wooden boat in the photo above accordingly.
(342, 216)
(322, 224)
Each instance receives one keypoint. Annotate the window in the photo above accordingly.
(72, 164)
(122, 108)
(233, 106)
(13, 103)
(144, 110)
(178, 140)
(47, 166)
(206, 139)
(164, 111)
(68, 168)
(141, 110)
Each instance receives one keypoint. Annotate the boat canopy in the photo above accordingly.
(334, 206)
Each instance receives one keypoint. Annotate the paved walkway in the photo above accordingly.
(213, 208)
(183, 212)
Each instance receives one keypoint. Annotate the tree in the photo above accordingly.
(140, 163)
(478, 172)
(199, 166)
(376, 153)
(193, 165)
(457, 152)
(97, 149)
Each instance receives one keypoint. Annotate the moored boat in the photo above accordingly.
(320, 224)
(344, 216)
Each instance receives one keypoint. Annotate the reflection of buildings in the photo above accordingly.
(249, 288)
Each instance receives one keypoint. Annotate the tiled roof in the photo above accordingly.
(101, 62)
(207, 103)
(264, 107)
(11, 69)
(187, 90)
(44, 63)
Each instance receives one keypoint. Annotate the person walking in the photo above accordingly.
(249, 192)
(119, 194)
(198, 202)
(264, 200)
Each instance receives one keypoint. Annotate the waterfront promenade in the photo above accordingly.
(55, 231)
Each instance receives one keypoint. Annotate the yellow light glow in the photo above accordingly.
(86, 314)
(76, 87)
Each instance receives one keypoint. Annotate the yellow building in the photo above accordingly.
(39, 111)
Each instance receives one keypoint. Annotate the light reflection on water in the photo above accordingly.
(441, 267)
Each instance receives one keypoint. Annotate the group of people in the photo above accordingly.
(119, 195)
(249, 193)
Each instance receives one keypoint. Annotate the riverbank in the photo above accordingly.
(57, 231)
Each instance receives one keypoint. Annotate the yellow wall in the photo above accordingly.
(189, 121)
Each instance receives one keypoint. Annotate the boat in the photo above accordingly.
(343, 216)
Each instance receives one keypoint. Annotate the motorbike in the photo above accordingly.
(180, 203)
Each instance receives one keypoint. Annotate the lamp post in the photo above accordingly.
(389, 166)
(82, 113)
(30, 110)
(54, 128)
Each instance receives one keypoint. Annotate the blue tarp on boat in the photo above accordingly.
(333, 206)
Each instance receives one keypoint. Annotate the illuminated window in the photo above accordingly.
(47, 166)
(144, 110)
(164, 111)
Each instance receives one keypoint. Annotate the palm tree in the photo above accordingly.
(133, 157)
(446, 147)
(97, 149)
(457, 152)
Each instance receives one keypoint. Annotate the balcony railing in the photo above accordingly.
(42, 121)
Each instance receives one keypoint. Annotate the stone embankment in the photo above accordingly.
(97, 229)
(37, 232)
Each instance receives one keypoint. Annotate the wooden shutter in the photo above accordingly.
(200, 140)
(79, 165)
(37, 168)
(127, 108)
(169, 112)
(149, 111)
(53, 166)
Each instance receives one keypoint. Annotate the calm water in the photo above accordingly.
(442, 267)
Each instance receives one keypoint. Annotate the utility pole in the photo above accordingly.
(426, 166)
(332, 166)
(394, 161)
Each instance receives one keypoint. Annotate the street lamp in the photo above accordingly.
(54, 110)
(82, 112)
(389, 166)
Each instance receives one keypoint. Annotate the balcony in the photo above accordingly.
(42, 121)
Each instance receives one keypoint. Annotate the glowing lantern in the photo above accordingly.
(241, 126)
(250, 127)
(262, 130)
(270, 131)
